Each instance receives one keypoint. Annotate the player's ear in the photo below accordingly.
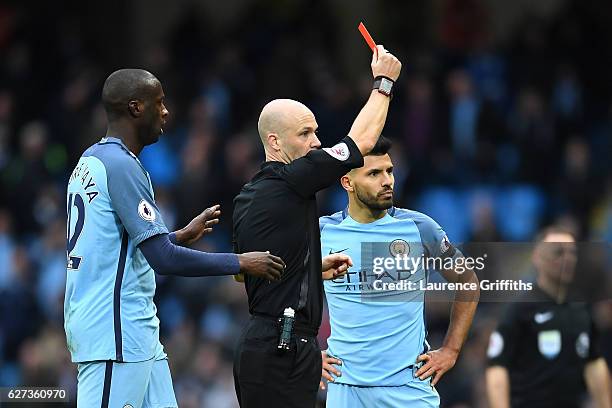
(274, 141)
(135, 107)
(347, 183)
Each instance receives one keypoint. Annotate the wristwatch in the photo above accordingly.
(383, 85)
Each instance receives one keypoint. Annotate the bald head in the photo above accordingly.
(126, 85)
(280, 116)
(287, 129)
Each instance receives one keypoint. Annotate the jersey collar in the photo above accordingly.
(112, 139)
(390, 211)
(116, 140)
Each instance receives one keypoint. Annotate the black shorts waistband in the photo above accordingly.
(300, 329)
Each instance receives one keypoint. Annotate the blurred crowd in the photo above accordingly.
(492, 138)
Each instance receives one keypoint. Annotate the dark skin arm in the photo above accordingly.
(438, 362)
(199, 226)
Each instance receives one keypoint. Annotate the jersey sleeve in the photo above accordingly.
(502, 342)
(594, 343)
(434, 238)
(319, 169)
(131, 196)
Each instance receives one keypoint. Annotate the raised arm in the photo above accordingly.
(369, 124)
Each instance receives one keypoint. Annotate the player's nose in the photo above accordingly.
(387, 180)
(165, 113)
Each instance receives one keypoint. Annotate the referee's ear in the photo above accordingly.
(274, 141)
(347, 183)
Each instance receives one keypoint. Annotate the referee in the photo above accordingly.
(277, 212)
(545, 348)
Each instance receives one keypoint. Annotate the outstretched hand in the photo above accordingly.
(199, 226)
(335, 265)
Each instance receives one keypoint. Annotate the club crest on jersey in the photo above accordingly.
(399, 247)
(339, 151)
(146, 211)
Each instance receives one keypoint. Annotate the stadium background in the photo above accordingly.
(502, 123)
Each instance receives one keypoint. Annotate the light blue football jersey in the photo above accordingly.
(378, 334)
(109, 312)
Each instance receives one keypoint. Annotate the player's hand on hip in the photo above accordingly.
(335, 265)
(437, 363)
(200, 225)
(327, 369)
(261, 265)
(385, 64)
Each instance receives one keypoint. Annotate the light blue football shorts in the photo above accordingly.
(109, 384)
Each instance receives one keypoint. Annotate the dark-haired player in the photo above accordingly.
(379, 338)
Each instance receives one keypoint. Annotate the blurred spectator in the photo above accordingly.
(532, 133)
(7, 248)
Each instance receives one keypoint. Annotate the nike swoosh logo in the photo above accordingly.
(337, 252)
(540, 318)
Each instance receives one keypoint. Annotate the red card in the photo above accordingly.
(367, 37)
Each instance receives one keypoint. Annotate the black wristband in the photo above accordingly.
(384, 85)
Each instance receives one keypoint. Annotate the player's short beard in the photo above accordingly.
(373, 202)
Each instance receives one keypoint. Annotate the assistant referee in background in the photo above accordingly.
(277, 212)
(545, 349)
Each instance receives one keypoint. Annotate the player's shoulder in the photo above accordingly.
(417, 217)
(333, 219)
(115, 157)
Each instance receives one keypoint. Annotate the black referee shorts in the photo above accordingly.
(267, 377)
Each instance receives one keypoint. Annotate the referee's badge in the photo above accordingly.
(146, 211)
(496, 345)
(399, 247)
(582, 345)
(339, 151)
(549, 343)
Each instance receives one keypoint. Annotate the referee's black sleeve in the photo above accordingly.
(595, 348)
(504, 341)
(321, 168)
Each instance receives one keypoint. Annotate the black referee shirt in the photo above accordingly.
(545, 347)
(277, 212)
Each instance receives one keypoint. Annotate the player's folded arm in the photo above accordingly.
(167, 258)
